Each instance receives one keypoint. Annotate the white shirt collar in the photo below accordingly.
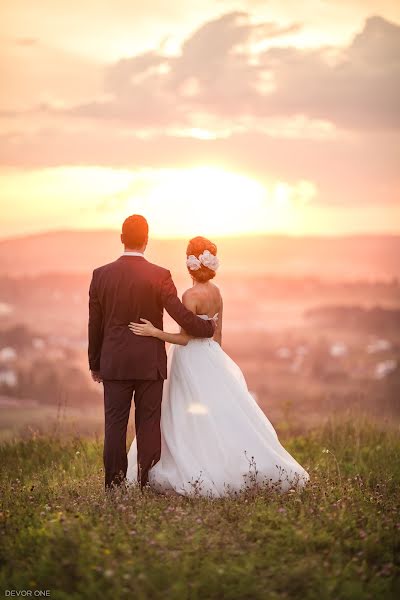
(133, 253)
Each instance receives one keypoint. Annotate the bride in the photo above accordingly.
(215, 439)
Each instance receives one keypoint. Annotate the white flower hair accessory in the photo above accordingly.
(193, 263)
(206, 258)
(209, 260)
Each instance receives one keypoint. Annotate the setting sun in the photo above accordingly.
(177, 202)
(183, 202)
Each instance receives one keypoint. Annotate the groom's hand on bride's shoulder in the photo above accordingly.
(96, 376)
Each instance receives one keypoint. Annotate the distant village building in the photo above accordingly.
(378, 346)
(9, 378)
(7, 354)
(338, 349)
(384, 368)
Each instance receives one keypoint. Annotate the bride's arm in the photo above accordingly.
(147, 329)
(218, 329)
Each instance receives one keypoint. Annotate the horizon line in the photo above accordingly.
(246, 236)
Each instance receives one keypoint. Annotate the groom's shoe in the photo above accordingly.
(115, 481)
(145, 488)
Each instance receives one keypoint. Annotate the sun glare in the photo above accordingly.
(204, 200)
(183, 202)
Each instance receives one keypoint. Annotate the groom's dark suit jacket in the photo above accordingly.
(123, 291)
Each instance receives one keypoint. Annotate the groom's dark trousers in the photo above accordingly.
(117, 404)
(133, 366)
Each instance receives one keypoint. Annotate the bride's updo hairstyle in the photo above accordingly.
(200, 250)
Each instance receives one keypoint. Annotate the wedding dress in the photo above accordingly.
(215, 439)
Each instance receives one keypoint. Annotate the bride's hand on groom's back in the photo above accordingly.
(146, 328)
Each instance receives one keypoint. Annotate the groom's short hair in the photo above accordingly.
(135, 231)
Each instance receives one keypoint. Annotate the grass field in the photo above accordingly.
(339, 538)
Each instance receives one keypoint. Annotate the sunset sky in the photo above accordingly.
(212, 117)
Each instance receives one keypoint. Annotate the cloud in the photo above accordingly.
(355, 88)
(228, 78)
(219, 73)
(213, 75)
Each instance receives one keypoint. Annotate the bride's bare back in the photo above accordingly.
(205, 299)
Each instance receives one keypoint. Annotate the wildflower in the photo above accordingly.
(108, 572)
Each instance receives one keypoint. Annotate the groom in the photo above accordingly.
(121, 292)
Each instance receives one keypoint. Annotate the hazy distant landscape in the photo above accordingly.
(356, 257)
(313, 322)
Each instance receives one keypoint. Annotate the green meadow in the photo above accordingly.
(339, 538)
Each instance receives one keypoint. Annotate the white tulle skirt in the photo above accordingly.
(215, 440)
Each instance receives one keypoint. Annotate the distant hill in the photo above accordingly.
(347, 257)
